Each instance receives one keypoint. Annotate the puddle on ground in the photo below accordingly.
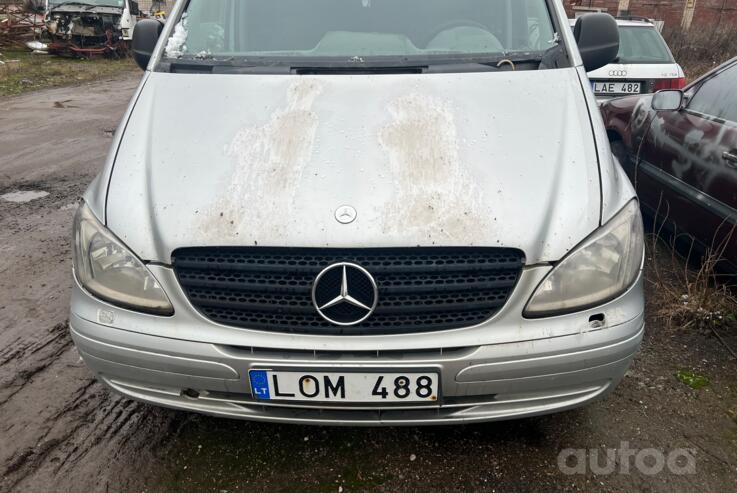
(22, 196)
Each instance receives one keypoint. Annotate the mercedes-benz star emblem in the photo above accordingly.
(345, 294)
(345, 214)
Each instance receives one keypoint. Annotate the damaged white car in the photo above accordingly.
(362, 212)
(89, 27)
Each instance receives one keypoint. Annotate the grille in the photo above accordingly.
(419, 289)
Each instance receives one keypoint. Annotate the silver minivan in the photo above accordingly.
(362, 212)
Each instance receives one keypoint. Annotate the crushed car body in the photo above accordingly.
(89, 27)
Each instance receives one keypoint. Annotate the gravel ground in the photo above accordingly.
(62, 431)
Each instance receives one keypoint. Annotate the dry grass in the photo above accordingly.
(686, 296)
(700, 51)
(33, 71)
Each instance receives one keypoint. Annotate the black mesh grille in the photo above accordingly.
(420, 289)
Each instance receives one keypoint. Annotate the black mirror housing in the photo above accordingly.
(597, 36)
(145, 35)
(667, 100)
(134, 10)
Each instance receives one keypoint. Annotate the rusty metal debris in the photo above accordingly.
(88, 29)
(19, 23)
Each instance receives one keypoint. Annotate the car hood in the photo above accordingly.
(490, 159)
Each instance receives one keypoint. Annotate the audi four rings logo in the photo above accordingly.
(617, 73)
(345, 294)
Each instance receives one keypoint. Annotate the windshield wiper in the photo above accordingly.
(207, 63)
(222, 66)
(358, 69)
(550, 58)
(483, 64)
(234, 65)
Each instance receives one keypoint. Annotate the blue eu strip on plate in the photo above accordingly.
(259, 384)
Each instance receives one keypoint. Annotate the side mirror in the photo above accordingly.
(597, 37)
(668, 100)
(145, 35)
(134, 10)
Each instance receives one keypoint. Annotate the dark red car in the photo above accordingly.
(679, 148)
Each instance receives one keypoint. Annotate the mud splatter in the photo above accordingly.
(270, 160)
(434, 192)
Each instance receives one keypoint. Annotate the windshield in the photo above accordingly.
(642, 45)
(107, 3)
(361, 30)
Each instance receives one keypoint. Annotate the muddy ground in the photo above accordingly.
(60, 430)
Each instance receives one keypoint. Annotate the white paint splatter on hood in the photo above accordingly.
(433, 191)
(270, 160)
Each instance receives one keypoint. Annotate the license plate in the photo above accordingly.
(344, 386)
(616, 87)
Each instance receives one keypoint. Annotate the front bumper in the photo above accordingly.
(478, 383)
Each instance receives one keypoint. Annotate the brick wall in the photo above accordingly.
(692, 14)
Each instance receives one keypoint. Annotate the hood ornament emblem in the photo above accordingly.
(345, 214)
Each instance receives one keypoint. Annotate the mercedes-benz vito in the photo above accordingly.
(362, 212)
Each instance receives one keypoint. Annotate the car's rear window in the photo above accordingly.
(642, 45)
(405, 29)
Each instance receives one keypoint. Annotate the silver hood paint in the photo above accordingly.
(489, 158)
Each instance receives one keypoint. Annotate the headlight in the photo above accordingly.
(107, 269)
(598, 270)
